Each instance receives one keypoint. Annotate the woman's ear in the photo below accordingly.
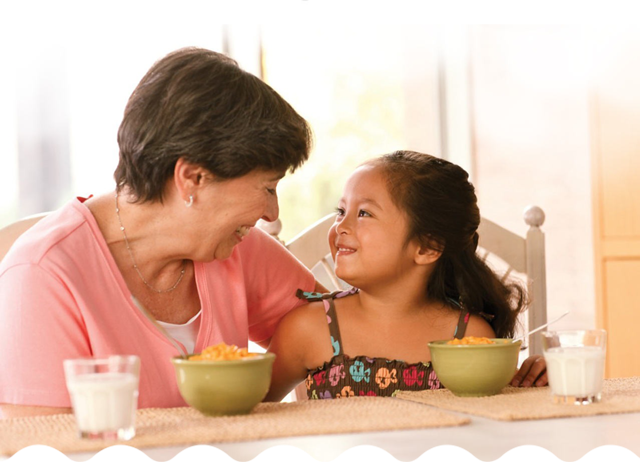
(188, 177)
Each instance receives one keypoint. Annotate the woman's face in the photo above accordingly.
(229, 209)
(368, 239)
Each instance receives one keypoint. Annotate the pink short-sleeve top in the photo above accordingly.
(62, 296)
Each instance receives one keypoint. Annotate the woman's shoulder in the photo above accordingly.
(260, 238)
(47, 235)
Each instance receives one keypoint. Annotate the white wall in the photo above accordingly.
(531, 136)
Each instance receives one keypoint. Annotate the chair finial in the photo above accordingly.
(533, 216)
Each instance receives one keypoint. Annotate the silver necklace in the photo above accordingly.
(135, 265)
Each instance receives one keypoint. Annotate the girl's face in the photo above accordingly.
(368, 239)
(230, 208)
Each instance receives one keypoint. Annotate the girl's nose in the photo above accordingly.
(343, 226)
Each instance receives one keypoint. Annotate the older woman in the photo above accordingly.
(170, 262)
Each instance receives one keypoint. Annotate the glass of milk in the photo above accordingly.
(104, 395)
(575, 364)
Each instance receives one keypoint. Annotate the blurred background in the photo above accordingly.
(518, 106)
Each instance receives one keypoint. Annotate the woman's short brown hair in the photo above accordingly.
(199, 105)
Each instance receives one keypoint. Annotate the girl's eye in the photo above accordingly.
(361, 213)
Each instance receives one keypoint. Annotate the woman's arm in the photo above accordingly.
(9, 411)
(40, 326)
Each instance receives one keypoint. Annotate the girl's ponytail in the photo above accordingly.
(481, 291)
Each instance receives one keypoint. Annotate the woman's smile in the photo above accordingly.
(242, 231)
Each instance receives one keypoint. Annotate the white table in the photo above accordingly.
(569, 439)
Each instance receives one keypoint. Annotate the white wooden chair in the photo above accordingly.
(11, 232)
(507, 253)
(311, 247)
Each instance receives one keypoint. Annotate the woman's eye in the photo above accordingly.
(363, 213)
(271, 191)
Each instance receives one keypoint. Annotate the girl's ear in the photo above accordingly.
(426, 255)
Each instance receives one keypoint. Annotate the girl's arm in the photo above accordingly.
(533, 371)
(298, 346)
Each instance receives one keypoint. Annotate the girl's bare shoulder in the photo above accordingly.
(306, 329)
(306, 317)
(479, 327)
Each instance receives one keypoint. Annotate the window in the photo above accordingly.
(365, 91)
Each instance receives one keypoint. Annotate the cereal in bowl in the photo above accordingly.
(222, 352)
(471, 341)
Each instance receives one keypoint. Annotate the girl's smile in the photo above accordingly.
(343, 250)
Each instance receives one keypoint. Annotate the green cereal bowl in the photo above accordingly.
(475, 370)
(227, 387)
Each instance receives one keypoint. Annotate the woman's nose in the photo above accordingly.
(273, 209)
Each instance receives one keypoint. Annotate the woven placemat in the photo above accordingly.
(618, 396)
(186, 426)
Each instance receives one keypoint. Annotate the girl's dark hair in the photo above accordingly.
(199, 105)
(442, 208)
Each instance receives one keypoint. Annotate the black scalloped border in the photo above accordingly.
(280, 453)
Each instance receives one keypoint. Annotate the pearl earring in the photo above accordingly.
(189, 203)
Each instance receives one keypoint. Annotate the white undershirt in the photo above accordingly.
(186, 333)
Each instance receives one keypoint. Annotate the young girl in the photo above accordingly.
(405, 238)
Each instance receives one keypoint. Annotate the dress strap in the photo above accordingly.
(334, 329)
(316, 296)
(330, 310)
(463, 320)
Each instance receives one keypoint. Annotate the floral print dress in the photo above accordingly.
(344, 376)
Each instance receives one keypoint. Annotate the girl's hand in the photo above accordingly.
(533, 372)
